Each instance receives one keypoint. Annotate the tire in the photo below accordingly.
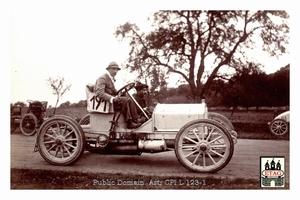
(279, 127)
(61, 140)
(85, 120)
(28, 124)
(204, 146)
(221, 119)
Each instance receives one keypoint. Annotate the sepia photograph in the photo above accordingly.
(133, 95)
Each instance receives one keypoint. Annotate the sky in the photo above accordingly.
(74, 41)
(76, 44)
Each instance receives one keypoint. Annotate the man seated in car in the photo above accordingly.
(142, 96)
(105, 89)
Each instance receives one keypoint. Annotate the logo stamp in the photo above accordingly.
(272, 171)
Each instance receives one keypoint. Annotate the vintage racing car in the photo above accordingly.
(280, 124)
(31, 120)
(203, 142)
(34, 117)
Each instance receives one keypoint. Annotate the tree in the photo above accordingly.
(66, 104)
(82, 103)
(197, 44)
(256, 88)
(58, 88)
(279, 87)
(157, 80)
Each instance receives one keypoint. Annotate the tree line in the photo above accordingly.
(245, 89)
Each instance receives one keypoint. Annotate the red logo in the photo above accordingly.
(272, 173)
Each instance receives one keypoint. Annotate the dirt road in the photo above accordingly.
(245, 163)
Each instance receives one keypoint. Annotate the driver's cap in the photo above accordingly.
(113, 65)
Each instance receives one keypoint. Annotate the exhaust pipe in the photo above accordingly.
(152, 145)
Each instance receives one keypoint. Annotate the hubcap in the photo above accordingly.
(59, 140)
(203, 147)
(278, 127)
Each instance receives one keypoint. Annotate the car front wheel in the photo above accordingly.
(204, 146)
(279, 127)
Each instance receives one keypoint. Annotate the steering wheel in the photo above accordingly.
(125, 89)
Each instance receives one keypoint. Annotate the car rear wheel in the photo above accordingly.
(225, 122)
(221, 119)
(85, 120)
(279, 127)
(204, 146)
(61, 140)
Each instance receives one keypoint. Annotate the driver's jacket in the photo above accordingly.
(105, 88)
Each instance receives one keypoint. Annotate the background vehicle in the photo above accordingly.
(280, 124)
(201, 144)
(33, 118)
(15, 117)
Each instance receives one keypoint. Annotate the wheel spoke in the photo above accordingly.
(69, 133)
(67, 150)
(71, 139)
(191, 153)
(57, 150)
(218, 145)
(215, 139)
(58, 128)
(209, 134)
(49, 142)
(67, 144)
(211, 158)
(195, 160)
(196, 134)
(51, 136)
(217, 153)
(51, 147)
(188, 147)
(61, 152)
(53, 130)
(190, 139)
(64, 131)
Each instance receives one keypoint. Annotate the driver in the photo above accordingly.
(105, 89)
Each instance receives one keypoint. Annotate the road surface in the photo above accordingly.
(244, 164)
